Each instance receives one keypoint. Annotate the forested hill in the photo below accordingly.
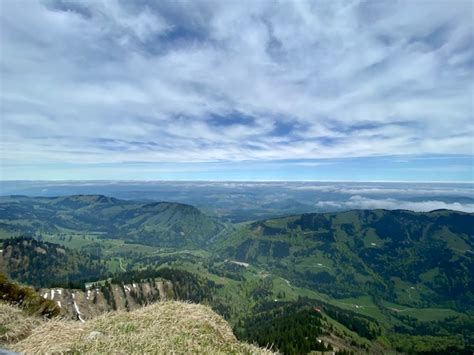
(39, 263)
(416, 259)
(159, 223)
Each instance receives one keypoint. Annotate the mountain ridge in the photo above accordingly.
(375, 246)
(157, 223)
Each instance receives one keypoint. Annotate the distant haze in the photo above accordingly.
(240, 201)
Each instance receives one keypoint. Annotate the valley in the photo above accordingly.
(371, 280)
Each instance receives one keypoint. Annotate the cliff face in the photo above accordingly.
(98, 299)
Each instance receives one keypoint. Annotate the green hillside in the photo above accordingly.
(413, 259)
(368, 280)
(160, 223)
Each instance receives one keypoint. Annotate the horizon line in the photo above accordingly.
(244, 181)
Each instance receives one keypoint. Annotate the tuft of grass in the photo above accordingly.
(26, 298)
(165, 327)
(15, 324)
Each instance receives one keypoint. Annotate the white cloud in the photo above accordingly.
(360, 202)
(346, 78)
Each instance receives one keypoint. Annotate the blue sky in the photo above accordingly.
(237, 90)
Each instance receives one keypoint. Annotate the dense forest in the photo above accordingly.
(46, 264)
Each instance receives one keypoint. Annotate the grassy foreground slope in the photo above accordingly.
(167, 327)
(15, 324)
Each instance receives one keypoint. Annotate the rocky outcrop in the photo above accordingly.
(105, 297)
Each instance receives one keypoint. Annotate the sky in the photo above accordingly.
(237, 90)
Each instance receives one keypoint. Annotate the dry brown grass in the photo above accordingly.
(15, 324)
(162, 328)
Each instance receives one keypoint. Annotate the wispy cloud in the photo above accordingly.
(112, 81)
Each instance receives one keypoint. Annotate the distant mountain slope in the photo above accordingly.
(41, 263)
(417, 259)
(161, 223)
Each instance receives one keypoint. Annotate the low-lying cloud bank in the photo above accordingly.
(360, 202)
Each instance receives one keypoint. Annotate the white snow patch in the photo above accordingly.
(52, 294)
(77, 309)
(373, 244)
(59, 304)
(239, 263)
